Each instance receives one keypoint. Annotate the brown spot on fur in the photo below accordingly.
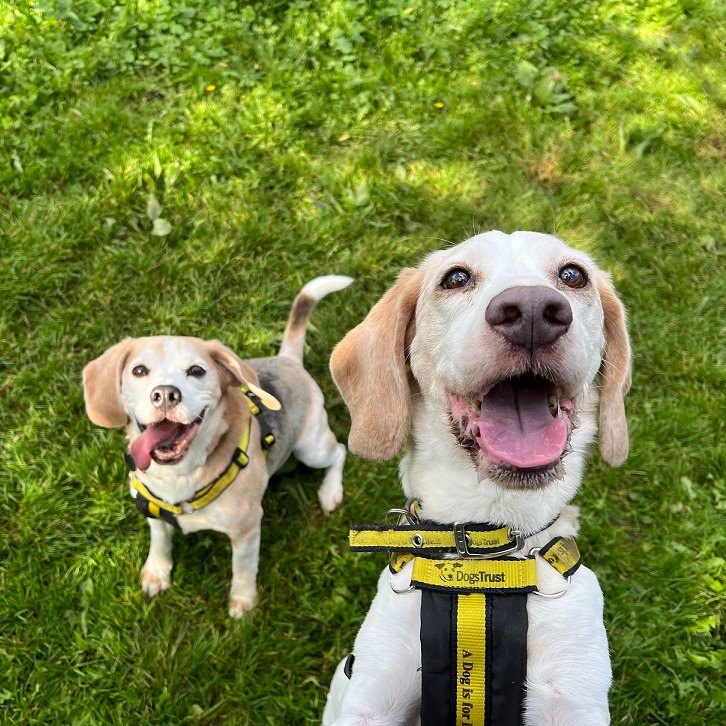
(302, 308)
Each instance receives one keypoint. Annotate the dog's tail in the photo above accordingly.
(293, 341)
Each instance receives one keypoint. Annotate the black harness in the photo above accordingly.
(473, 612)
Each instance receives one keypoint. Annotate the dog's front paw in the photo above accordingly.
(330, 498)
(238, 606)
(154, 582)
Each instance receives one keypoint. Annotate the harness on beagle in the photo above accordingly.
(473, 611)
(152, 506)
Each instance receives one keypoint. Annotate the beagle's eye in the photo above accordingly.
(456, 278)
(140, 371)
(573, 276)
(196, 371)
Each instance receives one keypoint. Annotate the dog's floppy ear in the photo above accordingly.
(240, 372)
(369, 368)
(102, 386)
(615, 376)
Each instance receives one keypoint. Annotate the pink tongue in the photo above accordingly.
(150, 439)
(516, 425)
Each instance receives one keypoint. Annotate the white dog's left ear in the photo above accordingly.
(616, 376)
(241, 372)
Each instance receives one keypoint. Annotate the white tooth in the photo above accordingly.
(553, 401)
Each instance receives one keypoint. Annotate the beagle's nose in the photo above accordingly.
(529, 316)
(165, 397)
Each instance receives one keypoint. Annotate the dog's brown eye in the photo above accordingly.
(196, 371)
(140, 371)
(455, 279)
(573, 276)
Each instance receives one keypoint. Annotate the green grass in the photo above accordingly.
(322, 148)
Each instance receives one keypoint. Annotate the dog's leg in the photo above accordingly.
(156, 572)
(320, 449)
(385, 686)
(567, 647)
(330, 492)
(245, 561)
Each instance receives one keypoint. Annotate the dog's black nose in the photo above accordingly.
(165, 397)
(529, 316)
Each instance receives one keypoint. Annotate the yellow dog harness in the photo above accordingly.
(473, 612)
(152, 506)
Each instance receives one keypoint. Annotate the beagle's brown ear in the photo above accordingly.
(369, 368)
(616, 376)
(102, 386)
(240, 372)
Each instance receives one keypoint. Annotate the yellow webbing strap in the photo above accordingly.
(398, 561)
(211, 491)
(155, 504)
(371, 538)
(503, 575)
(563, 555)
(471, 644)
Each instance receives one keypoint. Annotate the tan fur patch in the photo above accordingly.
(369, 368)
(616, 376)
(102, 386)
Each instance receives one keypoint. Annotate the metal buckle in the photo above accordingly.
(463, 542)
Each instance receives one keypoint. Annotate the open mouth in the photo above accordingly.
(517, 433)
(166, 441)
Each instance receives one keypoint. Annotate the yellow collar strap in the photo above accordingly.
(152, 506)
(470, 539)
(468, 542)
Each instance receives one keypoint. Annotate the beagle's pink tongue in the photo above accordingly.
(517, 427)
(153, 437)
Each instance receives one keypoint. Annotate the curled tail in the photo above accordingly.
(293, 341)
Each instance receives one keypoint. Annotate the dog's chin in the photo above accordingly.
(513, 477)
(517, 433)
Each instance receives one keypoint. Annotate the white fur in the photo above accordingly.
(322, 286)
(568, 666)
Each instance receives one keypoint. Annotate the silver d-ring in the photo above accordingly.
(410, 588)
(550, 595)
(401, 514)
(554, 595)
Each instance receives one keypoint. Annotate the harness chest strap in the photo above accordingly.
(152, 506)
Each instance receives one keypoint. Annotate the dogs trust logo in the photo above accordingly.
(454, 572)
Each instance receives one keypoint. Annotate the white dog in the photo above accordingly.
(515, 343)
(200, 424)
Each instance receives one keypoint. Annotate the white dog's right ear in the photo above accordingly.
(102, 386)
(369, 368)
(616, 376)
